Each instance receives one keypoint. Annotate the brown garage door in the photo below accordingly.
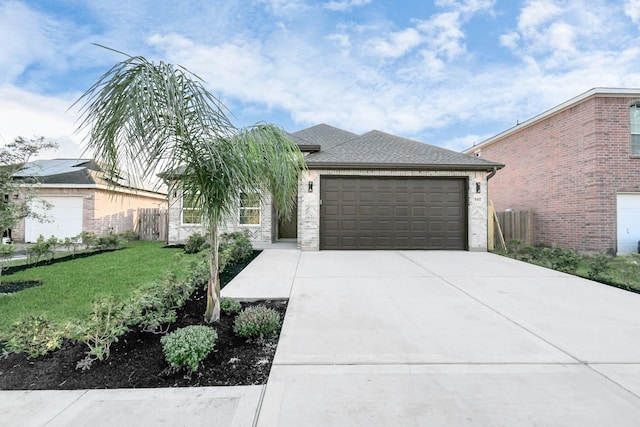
(393, 213)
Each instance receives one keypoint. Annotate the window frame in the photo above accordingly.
(634, 119)
(190, 209)
(257, 207)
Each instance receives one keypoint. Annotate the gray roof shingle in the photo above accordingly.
(377, 149)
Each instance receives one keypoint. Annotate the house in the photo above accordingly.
(81, 198)
(370, 191)
(577, 167)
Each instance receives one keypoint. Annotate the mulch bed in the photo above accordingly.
(137, 361)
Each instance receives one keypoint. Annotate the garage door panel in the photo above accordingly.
(393, 213)
(64, 218)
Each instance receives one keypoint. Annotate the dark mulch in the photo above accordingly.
(137, 360)
(11, 287)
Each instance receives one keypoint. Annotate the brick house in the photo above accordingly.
(371, 191)
(577, 167)
(81, 199)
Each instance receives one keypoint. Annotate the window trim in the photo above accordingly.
(252, 208)
(190, 209)
(634, 149)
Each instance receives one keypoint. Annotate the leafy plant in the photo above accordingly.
(230, 305)
(238, 244)
(257, 322)
(110, 241)
(39, 249)
(564, 260)
(34, 335)
(105, 325)
(130, 235)
(598, 267)
(188, 346)
(195, 243)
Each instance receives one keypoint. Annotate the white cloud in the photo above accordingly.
(342, 5)
(397, 44)
(29, 38)
(27, 114)
(632, 10)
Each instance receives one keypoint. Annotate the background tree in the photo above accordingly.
(149, 117)
(13, 157)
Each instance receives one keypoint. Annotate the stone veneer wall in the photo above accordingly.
(309, 203)
(179, 233)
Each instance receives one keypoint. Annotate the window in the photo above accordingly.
(249, 208)
(635, 129)
(191, 213)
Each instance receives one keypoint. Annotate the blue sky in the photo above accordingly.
(447, 72)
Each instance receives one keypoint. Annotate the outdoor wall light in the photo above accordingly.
(310, 186)
(477, 187)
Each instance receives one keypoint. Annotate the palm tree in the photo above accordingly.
(150, 117)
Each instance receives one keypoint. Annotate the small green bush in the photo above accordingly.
(130, 235)
(108, 321)
(110, 241)
(34, 335)
(598, 267)
(564, 260)
(257, 322)
(238, 244)
(230, 306)
(195, 243)
(188, 346)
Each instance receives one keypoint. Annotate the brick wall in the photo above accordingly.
(568, 168)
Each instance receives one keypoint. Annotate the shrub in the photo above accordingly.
(257, 322)
(188, 346)
(230, 306)
(564, 260)
(598, 267)
(195, 243)
(34, 335)
(110, 241)
(238, 244)
(107, 322)
(39, 249)
(130, 235)
(88, 239)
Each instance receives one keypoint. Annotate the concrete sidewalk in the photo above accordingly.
(400, 338)
(452, 338)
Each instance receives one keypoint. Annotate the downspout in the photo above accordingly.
(493, 172)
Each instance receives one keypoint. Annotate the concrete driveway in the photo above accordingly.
(403, 338)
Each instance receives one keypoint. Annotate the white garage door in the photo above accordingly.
(64, 219)
(628, 223)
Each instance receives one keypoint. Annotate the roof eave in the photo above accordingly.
(593, 93)
(403, 166)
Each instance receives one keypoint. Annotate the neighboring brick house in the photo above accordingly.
(371, 191)
(577, 167)
(81, 199)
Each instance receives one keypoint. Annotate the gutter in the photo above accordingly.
(492, 173)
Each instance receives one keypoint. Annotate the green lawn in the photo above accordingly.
(69, 287)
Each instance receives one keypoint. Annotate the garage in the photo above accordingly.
(360, 212)
(64, 219)
(628, 206)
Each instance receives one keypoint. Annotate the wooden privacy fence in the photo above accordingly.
(152, 224)
(507, 226)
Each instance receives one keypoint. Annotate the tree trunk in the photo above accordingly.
(212, 314)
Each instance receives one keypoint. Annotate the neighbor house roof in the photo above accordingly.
(593, 93)
(75, 172)
(378, 150)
